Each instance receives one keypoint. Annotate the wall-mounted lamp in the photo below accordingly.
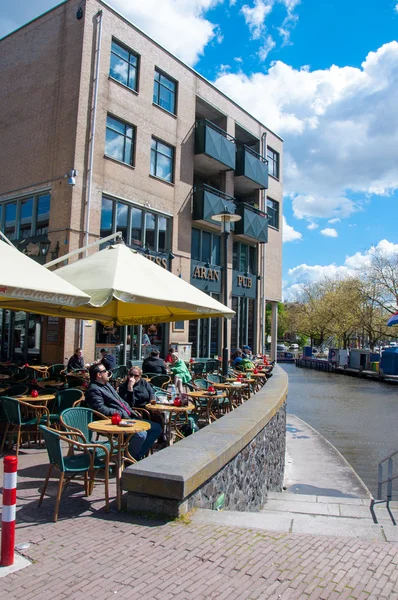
(171, 256)
(79, 13)
(44, 247)
(258, 277)
(71, 177)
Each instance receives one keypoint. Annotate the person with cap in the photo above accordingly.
(247, 352)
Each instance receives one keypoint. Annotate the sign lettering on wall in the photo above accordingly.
(206, 273)
(159, 260)
(245, 282)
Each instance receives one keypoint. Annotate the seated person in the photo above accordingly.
(108, 360)
(101, 396)
(179, 369)
(154, 364)
(169, 357)
(247, 352)
(76, 361)
(237, 359)
(135, 390)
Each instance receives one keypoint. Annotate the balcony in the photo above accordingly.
(214, 149)
(207, 201)
(253, 224)
(251, 172)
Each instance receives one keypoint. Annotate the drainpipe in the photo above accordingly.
(263, 248)
(98, 19)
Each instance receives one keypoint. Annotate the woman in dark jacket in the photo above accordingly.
(135, 390)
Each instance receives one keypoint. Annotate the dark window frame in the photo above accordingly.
(273, 214)
(144, 212)
(133, 139)
(159, 85)
(212, 260)
(35, 227)
(157, 152)
(273, 158)
(128, 62)
(251, 263)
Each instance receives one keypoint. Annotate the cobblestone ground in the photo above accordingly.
(93, 555)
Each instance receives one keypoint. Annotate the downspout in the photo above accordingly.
(98, 18)
(263, 247)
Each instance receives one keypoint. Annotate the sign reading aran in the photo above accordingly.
(206, 273)
(206, 277)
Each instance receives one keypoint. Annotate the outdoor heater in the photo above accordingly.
(225, 218)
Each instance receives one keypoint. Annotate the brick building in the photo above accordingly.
(158, 151)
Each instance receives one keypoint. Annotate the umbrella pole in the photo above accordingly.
(118, 234)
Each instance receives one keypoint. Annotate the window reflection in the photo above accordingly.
(136, 232)
(122, 219)
(150, 231)
(106, 217)
(10, 220)
(25, 228)
(43, 214)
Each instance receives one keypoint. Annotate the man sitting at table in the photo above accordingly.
(101, 396)
(76, 361)
(108, 360)
(154, 364)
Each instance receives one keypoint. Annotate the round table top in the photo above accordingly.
(51, 382)
(223, 386)
(4, 376)
(39, 398)
(105, 426)
(205, 394)
(38, 367)
(170, 407)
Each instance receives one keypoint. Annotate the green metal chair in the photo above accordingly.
(15, 420)
(201, 384)
(197, 369)
(65, 399)
(213, 378)
(17, 390)
(74, 464)
(56, 371)
(76, 420)
(160, 381)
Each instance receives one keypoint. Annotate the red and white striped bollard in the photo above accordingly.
(9, 506)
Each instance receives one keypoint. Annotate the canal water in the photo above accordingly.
(359, 417)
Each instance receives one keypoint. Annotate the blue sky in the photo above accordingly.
(324, 76)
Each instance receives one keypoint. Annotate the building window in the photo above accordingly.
(164, 92)
(25, 217)
(244, 258)
(119, 142)
(273, 213)
(162, 160)
(205, 246)
(140, 227)
(124, 65)
(273, 162)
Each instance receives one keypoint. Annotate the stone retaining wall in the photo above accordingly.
(241, 455)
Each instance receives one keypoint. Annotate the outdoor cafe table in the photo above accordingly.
(51, 383)
(41, 398)
(170, 409)
(259, 380)
(4, 377)
(40, 369)
(123, 434)
(209, 397)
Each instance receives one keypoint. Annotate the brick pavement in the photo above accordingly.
(93, 555)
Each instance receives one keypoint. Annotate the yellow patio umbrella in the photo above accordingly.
(23, 281)
(125, 288)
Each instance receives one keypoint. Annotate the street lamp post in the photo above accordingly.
(225, 218)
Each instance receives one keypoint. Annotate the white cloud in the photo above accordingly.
(289, 233)
(255, 17)
(312, 226)
(303, 274)
(331, 221)
(181, 26)
(396, 8)
(266, 48)
(331, 121)
(329, 232)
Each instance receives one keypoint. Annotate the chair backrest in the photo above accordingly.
(55, 370)
(215, 378)
(211, 365)
(202, 384)
(72, 380)
(160, 380)
(66, 399)
(53, 445)
(78, 418)
(11, 409)
(17, 390)
(198, 368)
(119, 372)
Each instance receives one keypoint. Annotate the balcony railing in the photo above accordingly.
(216, 144)
(251, 170)
(253, 223)
(208, 201)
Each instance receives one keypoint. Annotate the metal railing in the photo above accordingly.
(381, 481)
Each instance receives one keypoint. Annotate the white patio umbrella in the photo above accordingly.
(126, 289)
(24, 282)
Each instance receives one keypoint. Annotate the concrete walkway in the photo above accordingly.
(324, 495)
(91, 555)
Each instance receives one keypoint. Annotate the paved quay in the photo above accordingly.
(93, 555)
